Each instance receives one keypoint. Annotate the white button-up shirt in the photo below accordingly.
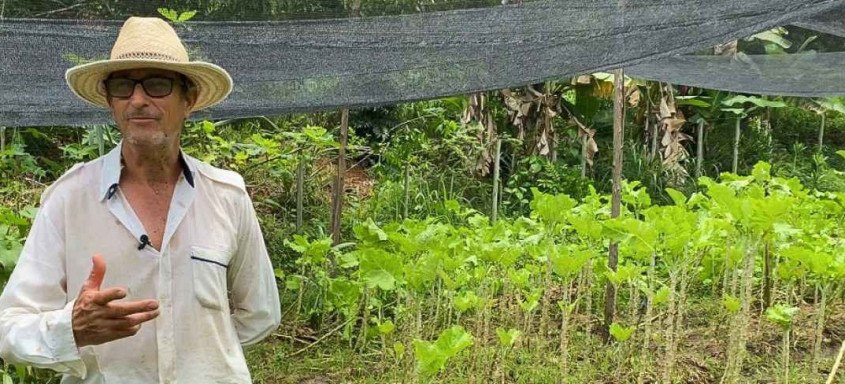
(212, 278)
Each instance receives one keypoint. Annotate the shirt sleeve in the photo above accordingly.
(35, 313)
(255, 295)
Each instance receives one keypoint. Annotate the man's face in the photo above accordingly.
(149, 120)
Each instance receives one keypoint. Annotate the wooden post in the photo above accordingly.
(2, 139)
(821, 134)
(338, 192)
(300, 193)
(836, 364)
(736, 144)
(407, 186)
(497, 158)
(584, 156)
(337, 196)
(616, 198)
(699, 160)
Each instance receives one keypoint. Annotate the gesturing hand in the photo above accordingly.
(98, 318)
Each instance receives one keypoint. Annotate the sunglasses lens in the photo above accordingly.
(158, 86)
(118, 87)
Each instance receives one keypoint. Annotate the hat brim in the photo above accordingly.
(213, 82)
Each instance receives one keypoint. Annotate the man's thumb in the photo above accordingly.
(98, 272)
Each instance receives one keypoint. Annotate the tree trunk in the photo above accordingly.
(618, 135)
(497, 158)
(736, 146)
(337, 198)
(699, 153)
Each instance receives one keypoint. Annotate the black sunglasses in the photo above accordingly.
(154, 86)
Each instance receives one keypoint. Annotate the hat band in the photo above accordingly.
(146, 56)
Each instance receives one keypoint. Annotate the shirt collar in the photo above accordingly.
(112, 167)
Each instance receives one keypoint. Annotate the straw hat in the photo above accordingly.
(149, 42)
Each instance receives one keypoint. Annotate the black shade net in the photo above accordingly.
(309, 65)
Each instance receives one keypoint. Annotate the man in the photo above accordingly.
(145, 265)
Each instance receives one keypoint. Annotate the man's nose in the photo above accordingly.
(138, 96)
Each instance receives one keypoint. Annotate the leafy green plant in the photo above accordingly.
(432, 357)
(783, 315)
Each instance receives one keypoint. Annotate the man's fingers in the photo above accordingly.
(98, 272)
(143, 317)
(123, 309)
(129, 321)
(107, 295)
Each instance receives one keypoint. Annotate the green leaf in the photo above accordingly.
(732, 304)
(532, 300)
(758, 101)
(677, 196)
(185, 16)
(454, 340)
(624, 273)
(773, 37)
(832, 104)
(691, 101)
(621, 334)
(207, 126)
(380, 269)
(452, 205)
(168, 14)
(7, 379)
(344, 294)
(507, 337)
(399, 349)
(10, 251)
(432, 357)
(293, 282)
(662, 296)
(552, 209)
(386, 327)
(520, 277)
(781, 315)
(736, 111)
(347, 260)
(466, 301)
(430, 360)
(762, 171)
(566, 263)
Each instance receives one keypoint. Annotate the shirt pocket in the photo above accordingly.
(209, 268)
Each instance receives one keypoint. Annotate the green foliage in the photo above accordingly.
(432, 357)
(176, 17)
(731, 303)
(507, 338)
(620, 333)
(782, 315)
(14, 226)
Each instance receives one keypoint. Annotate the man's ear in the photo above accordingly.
(190, 100)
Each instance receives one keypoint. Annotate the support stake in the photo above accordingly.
(618, 136)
